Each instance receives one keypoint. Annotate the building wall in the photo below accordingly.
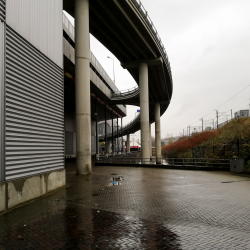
(2, 103)
(40, 23)
(2, 10)
(34, 110)
(33, 87)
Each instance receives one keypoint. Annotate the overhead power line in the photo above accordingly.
(223, 103)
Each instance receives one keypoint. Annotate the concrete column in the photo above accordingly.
(150, 141)
(82, 88)
(109, 147)
(96, 130)
(128, 143)
(112, 134)
(157, 132)
(117, 136)
(121, 136)
(144, 109)
(105, 128)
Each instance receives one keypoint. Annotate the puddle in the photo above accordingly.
(114, 183)
(119, 178)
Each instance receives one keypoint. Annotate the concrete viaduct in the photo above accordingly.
(127, 31)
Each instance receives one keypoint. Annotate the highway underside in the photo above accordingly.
(135, 208)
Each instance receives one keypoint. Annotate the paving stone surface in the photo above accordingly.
(135, 208)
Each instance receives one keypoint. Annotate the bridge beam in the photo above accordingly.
(82, 88)
(144, 109)
(149, 62)
(157, 133)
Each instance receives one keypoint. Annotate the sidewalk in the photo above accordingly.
(135, 208)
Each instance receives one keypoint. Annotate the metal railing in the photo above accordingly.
(200, 162)
(121, 131)
(148, 21)
(133, 161)
(126, 93)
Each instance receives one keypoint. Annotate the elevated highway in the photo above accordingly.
(125, 28)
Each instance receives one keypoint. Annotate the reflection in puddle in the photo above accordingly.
(115, 183)
(120, 178)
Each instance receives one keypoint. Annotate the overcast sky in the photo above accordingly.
(208, 44)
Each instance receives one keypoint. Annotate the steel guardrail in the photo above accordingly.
(198, 162)
(148, 21)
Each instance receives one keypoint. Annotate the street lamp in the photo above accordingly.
(113, 67)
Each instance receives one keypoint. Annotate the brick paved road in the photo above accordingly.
(150, 209)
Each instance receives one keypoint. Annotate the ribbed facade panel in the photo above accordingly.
(34, 110)
(2, 10)
(2, 102)
(40, 23)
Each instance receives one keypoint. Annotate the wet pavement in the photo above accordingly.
(135, 208)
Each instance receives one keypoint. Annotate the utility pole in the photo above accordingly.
(189, 130)
(213, 123)
(202, 124)
(231, 114)
(113, 67)
(217, 117)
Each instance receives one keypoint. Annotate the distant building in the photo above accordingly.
(241, 113)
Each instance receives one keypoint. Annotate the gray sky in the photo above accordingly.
(208, 44)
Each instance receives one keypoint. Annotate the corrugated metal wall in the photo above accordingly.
(34, 110)
(2, 10)
(2, 102)
(40, 23)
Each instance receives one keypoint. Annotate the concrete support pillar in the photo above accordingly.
(112, 134)
(157, 133)
(82, 88)
(128, 143)
(96, 130)
(109, 147)
(105, 130)
(150, 141)
(144, 109)
(117, 136)
(121, 136)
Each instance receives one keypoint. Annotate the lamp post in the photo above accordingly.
(113, 67)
